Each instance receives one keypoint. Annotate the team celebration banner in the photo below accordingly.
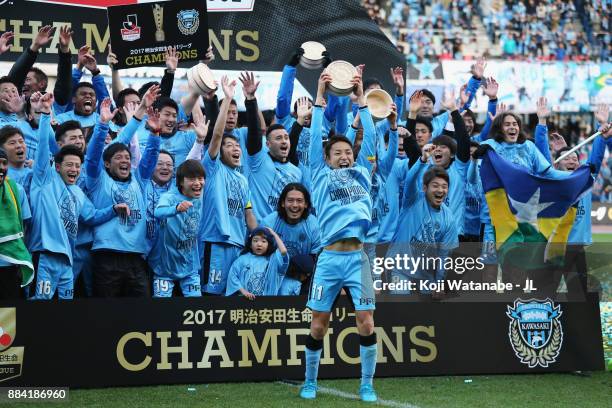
(112, 342)
(258, 35)
(140, 33)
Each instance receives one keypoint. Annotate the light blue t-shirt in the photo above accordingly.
(153, 191)
(85, 121)
(120, 234)
(473, 197)
(267, 179)
(455, 199)
(226, 196)
(260, 275)
(58, 208)
(178, 145)
(393, 192)
(424, 231)
(340, 196)
(21, 176)
(175, 253)
(300, 239)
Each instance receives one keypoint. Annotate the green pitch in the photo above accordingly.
(546, 390)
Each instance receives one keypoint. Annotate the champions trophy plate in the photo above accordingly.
(342, 73)
(313, 55)
(379, 102)
(201, 79)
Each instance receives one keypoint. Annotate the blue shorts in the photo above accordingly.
(190, 286)
(336, 270)
(216, 264)
(54, 273)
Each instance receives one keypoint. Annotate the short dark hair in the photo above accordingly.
(427, 93)
(368, 82)
(83, 85)
(274, 127)
(474, 143)
(65, 127)
(232, 102)
(40, 76)
(564, 149)
(8, 131)
(7, 80)
(469, 113)
(68, 150)
(113, 149)
(144, 88)
(496, 128)
(229, 136)
(447, 141)
(120, 101)
(333, 140)
(165, 101)
(263, 232)
(282, 212)
(162, 151)
(424, 121)
(434, 172)
(189, 168)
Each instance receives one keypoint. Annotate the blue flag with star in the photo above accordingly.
(532, 215)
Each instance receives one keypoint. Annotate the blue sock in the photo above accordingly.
(313, 356)
(367, 352)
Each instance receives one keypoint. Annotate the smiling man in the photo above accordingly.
(119, 244)
(59, 205)
(15, 260)
(13, 143)
(227, 210)
(84, 111)
(269, 169)
(435, 232)
(175, 257)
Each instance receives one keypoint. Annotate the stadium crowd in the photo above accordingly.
(545, 30)
(137, 193)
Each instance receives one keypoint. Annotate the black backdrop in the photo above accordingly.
(342, 26)
(76, 343)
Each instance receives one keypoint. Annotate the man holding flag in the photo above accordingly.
(16, 268)
(538, 212)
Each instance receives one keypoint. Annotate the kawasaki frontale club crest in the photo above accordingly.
(535, 331)
(188, 21)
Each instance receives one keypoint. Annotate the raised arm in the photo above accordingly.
(42, 169)
(541, 131)
(20, 68)
(316, 159)
(148, 99)
(95, 147)
(474, 82)
(167, 81)
(249, 87)
(63, 86)
(215, 144)
(414, 176)
(285, 91)
(388, 158)
(116, 84)
(397, 75)
(461, 135)
(148, 163)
